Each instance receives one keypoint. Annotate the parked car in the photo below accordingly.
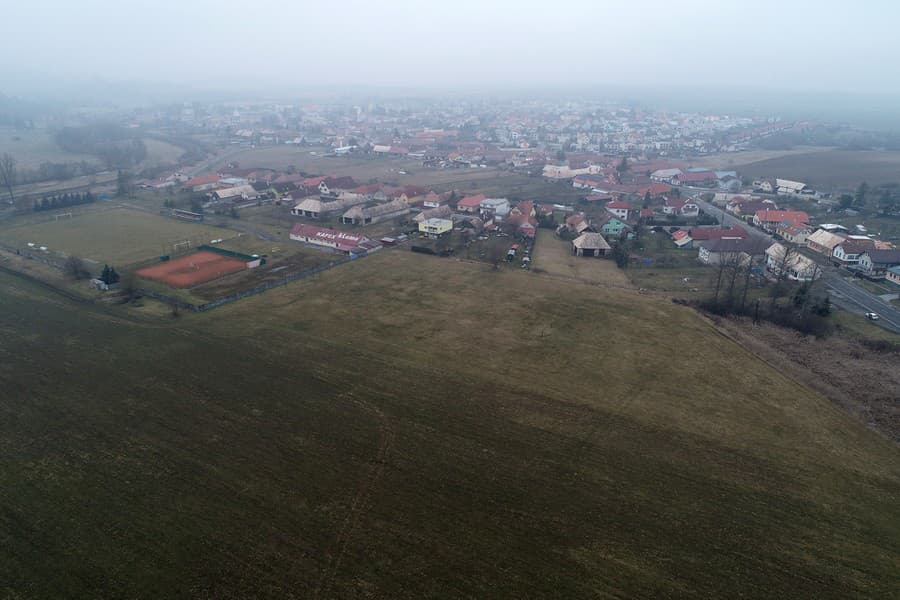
(872, 316)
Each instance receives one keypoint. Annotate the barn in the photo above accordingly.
(590, 244)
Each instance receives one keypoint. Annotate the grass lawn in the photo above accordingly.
(554, 256)
(33, 147)
(860, 326)
(117, 236)
(404, 427)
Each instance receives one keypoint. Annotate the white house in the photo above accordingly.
(797, 266)
(495, 207)
(619, 209)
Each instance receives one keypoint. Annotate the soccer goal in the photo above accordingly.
(186, 245)
(67, 215)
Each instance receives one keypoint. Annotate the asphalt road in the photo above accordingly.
(842, 290)
(853, 298)
(731, 220)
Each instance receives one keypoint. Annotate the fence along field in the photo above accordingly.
(119, 235)
(192, 269)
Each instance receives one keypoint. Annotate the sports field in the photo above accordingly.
(406, 427)
(118, 236)
(193, 269)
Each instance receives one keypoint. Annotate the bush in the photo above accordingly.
(74, 267)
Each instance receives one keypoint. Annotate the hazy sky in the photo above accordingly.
(792, 45)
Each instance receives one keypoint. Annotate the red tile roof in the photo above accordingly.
(471, 201)
(202, 180)
(778, 216)
(619, 204)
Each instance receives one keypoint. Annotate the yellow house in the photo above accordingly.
(435, 227)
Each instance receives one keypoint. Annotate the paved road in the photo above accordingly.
(851, 297)
(843, 291)
(732, 220)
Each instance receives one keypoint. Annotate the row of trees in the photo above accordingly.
(116, 146)
(63, 200)
(884, 198)
(806, 310)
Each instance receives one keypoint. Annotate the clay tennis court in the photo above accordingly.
(192, 269)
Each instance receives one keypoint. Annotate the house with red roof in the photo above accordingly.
(470, 204)
(656, 189)
(694, 178)
(681, 238)
(620, 209)
(770, 219)
(202, 183)
(680, 207)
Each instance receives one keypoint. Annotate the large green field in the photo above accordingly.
(118, 236)
(408, 427)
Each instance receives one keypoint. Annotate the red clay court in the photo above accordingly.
(192, 269)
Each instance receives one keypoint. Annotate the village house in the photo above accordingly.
(795, 234)
(441, 212)
(893, 275)
(796, 266)
(767, 186)
(665, 175)
(434, 227)
(494, 207)
(875, 263)
(823, 242)
(611, 226)
(694, 178)
(332, 186)
(359, 215)
(742, 250)
(241, 192)
(682, 238)
(787, 187)
(619, 209)
(432, 200)
(202, 183)
(847, 252)
(470, 204)
(748, 207)
(696, 235)
(677, 206)
(770, 219)
(590, 244)
(576, 223)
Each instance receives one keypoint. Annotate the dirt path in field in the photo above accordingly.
(360, 503)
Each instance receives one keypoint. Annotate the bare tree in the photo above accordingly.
(789, 253)
(747, 273)
(74, 267)
(8, 174)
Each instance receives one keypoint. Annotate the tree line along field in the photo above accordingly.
(405, 427)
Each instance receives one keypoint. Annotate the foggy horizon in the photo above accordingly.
(803, 48)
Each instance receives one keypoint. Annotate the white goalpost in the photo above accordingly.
(67, 215)
(185, 244)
